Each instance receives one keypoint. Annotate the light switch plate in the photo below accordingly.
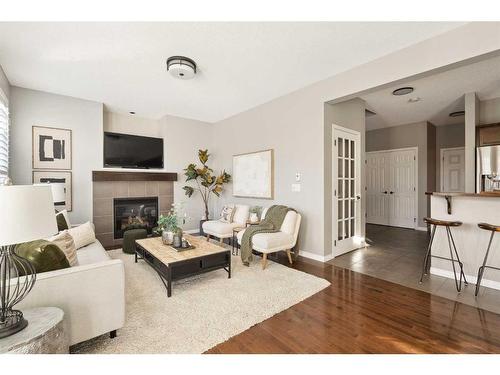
(296, 188)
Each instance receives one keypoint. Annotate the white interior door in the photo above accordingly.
(391, 187)
(402, 191)
(347, 190)
(453, 169)
(377, 189)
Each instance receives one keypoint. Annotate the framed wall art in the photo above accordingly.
(44, 177)
(253, 175)
(51, 148)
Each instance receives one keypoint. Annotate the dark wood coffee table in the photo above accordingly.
(171, 264)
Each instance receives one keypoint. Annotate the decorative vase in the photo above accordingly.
(177, 238)
(167, 237)
(253, 217)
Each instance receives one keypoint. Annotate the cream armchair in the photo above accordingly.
(284, 240)
(222, 230)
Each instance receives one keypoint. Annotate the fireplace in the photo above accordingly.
(132, 213)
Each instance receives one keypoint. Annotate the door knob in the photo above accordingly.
(384, 192)
(358, 197)
(391, 192)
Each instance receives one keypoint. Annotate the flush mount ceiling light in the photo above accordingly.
(403, 91)
(457, 113)
(181, 67)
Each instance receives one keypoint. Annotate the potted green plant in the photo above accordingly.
(255, 212)
(206, 182)
(168, 225)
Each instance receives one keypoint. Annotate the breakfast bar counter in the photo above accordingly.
(471, 241)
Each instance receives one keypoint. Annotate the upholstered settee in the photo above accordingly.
(91, 294)
(284, 240)
(222, 230)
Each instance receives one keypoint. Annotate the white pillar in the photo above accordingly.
(471, 120)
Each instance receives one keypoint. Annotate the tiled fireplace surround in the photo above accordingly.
(105, 191)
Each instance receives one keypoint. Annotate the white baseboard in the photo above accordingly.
(423, 229)
(313, 256)
(472, 279)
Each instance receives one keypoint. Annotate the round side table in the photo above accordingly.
(45, 333)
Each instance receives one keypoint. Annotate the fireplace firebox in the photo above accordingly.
(133, 213)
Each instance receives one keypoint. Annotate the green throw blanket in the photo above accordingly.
(271, 224)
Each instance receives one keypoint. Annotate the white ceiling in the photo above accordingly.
(241, 65)
(440, 95)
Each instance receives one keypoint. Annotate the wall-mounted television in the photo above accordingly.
(132, 151)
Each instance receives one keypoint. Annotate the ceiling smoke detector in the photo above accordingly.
(457, 113)
(403, 91)
(181, 67)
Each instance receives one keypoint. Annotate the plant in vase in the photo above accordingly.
(255, 212)
(169, 225)
(206, 182)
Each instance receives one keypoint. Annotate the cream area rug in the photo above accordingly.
(204, 310)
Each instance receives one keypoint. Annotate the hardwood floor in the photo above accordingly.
(361, 314)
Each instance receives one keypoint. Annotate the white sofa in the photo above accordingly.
(92, 294)
(284, 240)
(222, 230)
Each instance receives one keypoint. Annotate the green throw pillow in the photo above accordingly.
(62, 224)
(43, 255)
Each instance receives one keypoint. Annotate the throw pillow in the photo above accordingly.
(66, 243)
(43, 255)
(62, 220)
(83, 235)
(227, 213)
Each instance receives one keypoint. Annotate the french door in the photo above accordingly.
(391, 187)
(346, 190)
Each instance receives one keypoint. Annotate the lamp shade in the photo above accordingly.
(27, 214)
(58, 192)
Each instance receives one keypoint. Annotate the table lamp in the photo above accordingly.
(28, 214)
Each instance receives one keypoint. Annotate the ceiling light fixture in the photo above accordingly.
(403, 91)
(457, 113)
(181, 67)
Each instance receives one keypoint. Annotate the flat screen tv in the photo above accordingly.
(132, 151)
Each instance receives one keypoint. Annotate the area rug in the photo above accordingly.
(204, 310)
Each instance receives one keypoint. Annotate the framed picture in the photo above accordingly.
(51, 148)
(57, 177)
(253, 175)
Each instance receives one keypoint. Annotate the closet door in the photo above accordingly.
(377, 188)
(402, 188)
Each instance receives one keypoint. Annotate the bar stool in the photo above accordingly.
(492, 228)
(453, 249)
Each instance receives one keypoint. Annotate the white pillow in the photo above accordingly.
(227, 213)
(65, 242)
(83, 235)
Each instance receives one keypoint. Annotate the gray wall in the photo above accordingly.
(351, 115)
(84, 118)
(447, 137)
(409, 135)
(4, 84)
(182, 140)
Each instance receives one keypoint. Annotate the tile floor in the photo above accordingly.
(396, 255)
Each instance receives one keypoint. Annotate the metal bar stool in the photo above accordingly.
(492, 228)
(451, 245)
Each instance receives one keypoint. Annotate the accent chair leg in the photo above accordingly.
(264, 261)
(289, 256)
(112, 334)
(208, 237)
(221, 240)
